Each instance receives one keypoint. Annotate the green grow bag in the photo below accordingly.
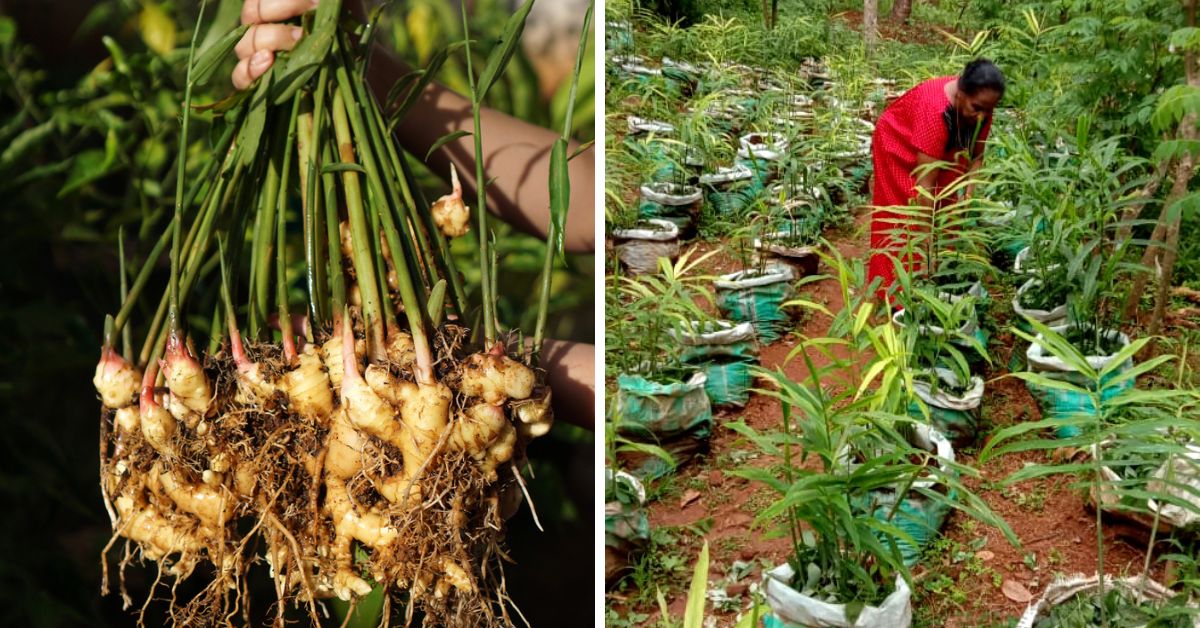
(917, 516)
(724, 353)
(1067, 404)
(954, 415)
(758, 298)
(676, 417)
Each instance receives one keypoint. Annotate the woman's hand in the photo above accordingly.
(257, 48)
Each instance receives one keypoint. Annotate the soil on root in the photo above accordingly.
(275, 497)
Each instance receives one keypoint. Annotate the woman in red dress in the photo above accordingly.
(943, 119)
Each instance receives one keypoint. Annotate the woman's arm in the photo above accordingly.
(516, 154)
(571, 374)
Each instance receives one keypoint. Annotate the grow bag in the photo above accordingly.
(952, 415)
(1182, 470)
(802, 259)
(675, 416)
(675, 203)
(671, 194)
(626, 523)
(917, 516)
(1022, 261)
(1057, 403)
(724, 352)
(762, 146)
(640, 249)
(1049, 318)
(969, 329)
(723, 176)
(792, 609)
(732, 203)
(641, 125)
(1064, 589)
(757, 298)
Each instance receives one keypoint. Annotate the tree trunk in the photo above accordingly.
(901, 10)
(1183, 175)
(871, 24)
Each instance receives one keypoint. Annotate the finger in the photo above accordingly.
(268, 37)
(248, 70)
(259, 11)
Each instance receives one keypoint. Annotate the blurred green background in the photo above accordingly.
(89, 95)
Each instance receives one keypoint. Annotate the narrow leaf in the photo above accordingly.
(503, 51)
(216, 54)
(560, 193)
(446, 139)
(693, 615)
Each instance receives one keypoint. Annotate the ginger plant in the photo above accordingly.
(360, 441)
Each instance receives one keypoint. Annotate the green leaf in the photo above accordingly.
(216, 54)
(445, 139)
(368, 613)
(26, 141)
(87, 166)
(157, 28)
(437, 302)
(256, 120)
(693, 615)
(306, 57)
(560, 193)
(342, 166)
(503, 51)
(426, 77)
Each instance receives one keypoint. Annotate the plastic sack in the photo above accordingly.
(791, 609)
(676, 417)
(640, 249)
(1050, 318)
(1064, 589)
(1022, 261)
(737, 172)
(642, 125)
(952, 415)
(769, 147)
(917, 516)
(726, 203)
(671, 194)
(724, 352)
(803, 259)
(654, 412)
(758, 299)
(1056, 403)
(1183, 470)
(626, 522)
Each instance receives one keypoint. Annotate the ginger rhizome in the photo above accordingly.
(350, 439)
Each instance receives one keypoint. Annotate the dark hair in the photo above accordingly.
(981, 74)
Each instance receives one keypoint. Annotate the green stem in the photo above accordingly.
(312, 206)
(364, 267)
(416, 198)
(385, 294)
(414, 307)
(552, 234)
(179, 175)
(489, 318)
(126, 341)
(217, 202)
(264, 241)
(281, 283)
(380, 145)
(337, 278)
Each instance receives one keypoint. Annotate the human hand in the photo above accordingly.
(257, 48)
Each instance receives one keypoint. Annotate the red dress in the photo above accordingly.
(913, 124)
